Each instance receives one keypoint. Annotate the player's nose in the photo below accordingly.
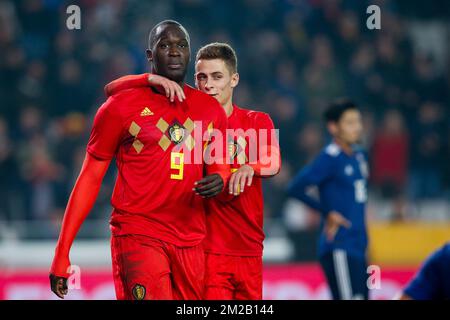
(174, 51)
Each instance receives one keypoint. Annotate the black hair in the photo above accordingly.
(337, 108)
(152, 34)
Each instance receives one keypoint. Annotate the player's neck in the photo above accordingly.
(228, 107)
(346, 147)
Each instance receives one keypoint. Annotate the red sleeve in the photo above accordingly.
(80, 203)
(269, 158)
(220, 165)
(126, 82)
(106, 131)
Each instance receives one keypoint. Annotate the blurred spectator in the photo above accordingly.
(309, 142)
(8, 172)
(390, 152)
(427, 152)
(285, 114)
(322, 80)
(428, 82)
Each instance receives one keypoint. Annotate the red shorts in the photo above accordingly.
(233, 278)
(150, 269)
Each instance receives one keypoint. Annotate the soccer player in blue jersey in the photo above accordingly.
(340, 173)
(432, 281)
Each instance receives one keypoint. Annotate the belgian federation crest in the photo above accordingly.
(233, 149)
(176, 133)
(139, 292)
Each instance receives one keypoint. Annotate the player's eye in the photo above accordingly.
(163, 45)
(183, 45)
(201, 77)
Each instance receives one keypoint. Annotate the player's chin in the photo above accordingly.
(176, 75)
(357, 140)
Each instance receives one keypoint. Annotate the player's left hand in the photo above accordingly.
(243, 176)
(171, 88)
(209, 186)
(333, 222)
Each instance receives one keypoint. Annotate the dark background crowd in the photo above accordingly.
(294, 58)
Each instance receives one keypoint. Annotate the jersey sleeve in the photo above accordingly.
(106, 131)
(426, 283)
(268, 160)
(314, 174)
(126, 82)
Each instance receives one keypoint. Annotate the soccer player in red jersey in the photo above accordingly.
(158, 221)
(234, 240)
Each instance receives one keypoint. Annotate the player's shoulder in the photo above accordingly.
(129, 94)
(446, 249)
(118, 102)
(360, 153)
(196, 95)
(199, 99)
(332, 150)
(124, 98)
(253, 115)
(359, 149)
(442, 255)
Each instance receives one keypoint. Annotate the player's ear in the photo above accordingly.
(195, 80)
(149, 55)
(234, 79)
(332, 128)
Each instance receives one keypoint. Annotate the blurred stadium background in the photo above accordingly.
(294, 56)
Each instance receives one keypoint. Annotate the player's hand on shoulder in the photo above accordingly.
(209, 186)
(240, 178)
(170, 87)
(333, 222)
(58, 285)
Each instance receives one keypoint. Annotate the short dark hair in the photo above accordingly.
(152, 34)
(218, 50)
(337, 108)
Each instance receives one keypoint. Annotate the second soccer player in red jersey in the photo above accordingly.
(234, 240)
(158, 221)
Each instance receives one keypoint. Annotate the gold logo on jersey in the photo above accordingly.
(146, 112)
(139, 292)
(176, 133)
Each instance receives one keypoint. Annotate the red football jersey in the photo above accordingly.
(235, 227)
(151, 139)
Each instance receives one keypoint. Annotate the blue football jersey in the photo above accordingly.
(341, 180)
(432, 281)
